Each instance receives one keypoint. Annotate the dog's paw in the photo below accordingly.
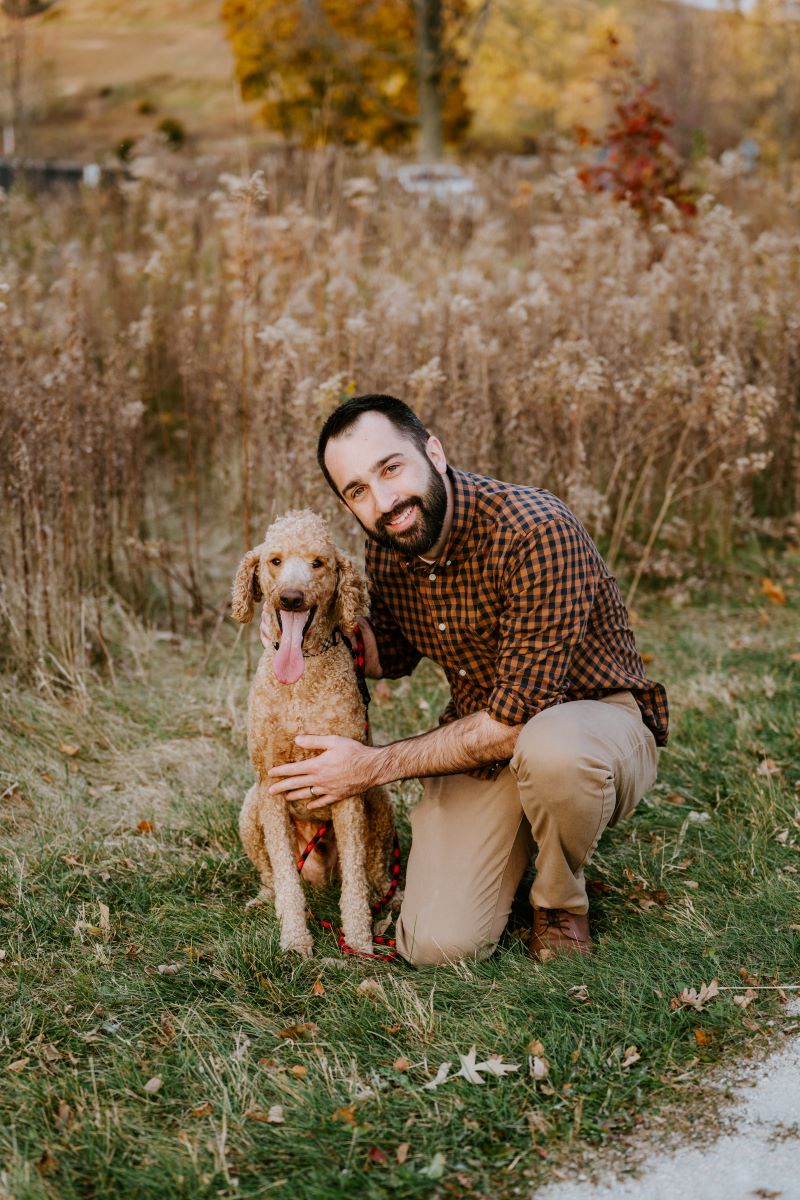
(301, 946)
(260, 899)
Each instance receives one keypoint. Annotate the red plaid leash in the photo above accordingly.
(359, 658)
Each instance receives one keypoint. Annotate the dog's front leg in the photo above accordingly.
(350, 827)
(290, 905)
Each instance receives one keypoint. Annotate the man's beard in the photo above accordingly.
(427, 527)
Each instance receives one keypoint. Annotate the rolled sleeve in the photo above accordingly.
(396, 653)
(549, 588)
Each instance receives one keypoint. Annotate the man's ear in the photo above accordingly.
(246, 587)
(352, 598)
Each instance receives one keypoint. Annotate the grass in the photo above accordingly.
(701, 883)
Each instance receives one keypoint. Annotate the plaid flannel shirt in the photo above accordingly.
(519, 610)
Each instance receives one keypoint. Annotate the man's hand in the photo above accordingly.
(344, 768)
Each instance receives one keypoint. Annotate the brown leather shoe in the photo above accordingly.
(556, 931)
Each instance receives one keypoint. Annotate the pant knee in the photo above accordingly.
(442, 947)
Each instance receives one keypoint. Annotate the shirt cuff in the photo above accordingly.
(512, 708)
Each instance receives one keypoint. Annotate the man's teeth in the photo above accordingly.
(401, 516)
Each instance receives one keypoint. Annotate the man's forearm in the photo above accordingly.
(372, 662)
(461, 745)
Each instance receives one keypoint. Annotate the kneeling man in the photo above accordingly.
(552, 727)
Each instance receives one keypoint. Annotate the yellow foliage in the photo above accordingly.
(345, 72)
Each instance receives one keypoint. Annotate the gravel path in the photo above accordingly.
(758, 1158)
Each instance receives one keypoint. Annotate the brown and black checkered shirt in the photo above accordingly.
(519, 610)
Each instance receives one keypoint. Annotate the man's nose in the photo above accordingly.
(386, 497)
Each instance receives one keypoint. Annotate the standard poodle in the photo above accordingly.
(306, 683)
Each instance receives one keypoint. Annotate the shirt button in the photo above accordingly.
(462, 671)
(443, 627)
(431, 577)
(448, 563)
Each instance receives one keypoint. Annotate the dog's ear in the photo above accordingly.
(246, 587)
(352, 599)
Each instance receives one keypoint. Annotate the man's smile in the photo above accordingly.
(403, 519)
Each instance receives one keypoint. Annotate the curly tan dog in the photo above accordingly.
(306, 684)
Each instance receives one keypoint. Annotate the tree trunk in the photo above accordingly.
(429, 70)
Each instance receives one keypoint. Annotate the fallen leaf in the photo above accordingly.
(305, 1029)
(694, 999)
(70, 751)
(535, 1047)
(537, 1123)
(376, 1155)
(703, 1037)
(202, 1110)
(50, 1053)
(393, 1028)
(298, 1071)
(632, 1056)
(746, 999)
(372, 988)
(440, 1076)
(145, 827)
(18, 1065)
(435, 1169)
(274, 1115)
(677, 799)
(401, 1064)
(72, 861)
(347, 1114)
(48, 1163)
(401, 1153)
(539, 1067)
(46, 776)
(105, 917)
(154, 1085)
(63, 1116)
(241, 1047)
(318, 988)
(580, 994)
(168, 969)
(773, 591)
(767, 768)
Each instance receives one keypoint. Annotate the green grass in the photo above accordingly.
(677, 899)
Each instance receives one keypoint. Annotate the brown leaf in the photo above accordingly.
(274, 1116)
(376, 1155)
(703, 1037)
(318, 988)
(746, 999)
(346, 1114)
(393, 1028)
(401, 1153)
(677, 799)
(18, 1065)
(767, 768)
(46, 776)
(535, 1047)
(145, 827)
(70, 751)
(372, 988)
(773, 591)
(72, 861)
(48, 1163)
(63, 1116)
(202, 1110)
(401, 1064)
(168, 969)
(537, 1124)
(49, 1052)
(298, 1071)
(154, 1085)
(305, 1029)
(632, 1056)
(694, 999)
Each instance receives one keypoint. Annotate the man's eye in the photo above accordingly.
(276, 562)
(356, 493)
(317, 563)
(393, 467)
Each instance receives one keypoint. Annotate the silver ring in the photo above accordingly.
(314, 793)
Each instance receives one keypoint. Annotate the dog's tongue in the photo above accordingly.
(288, 663)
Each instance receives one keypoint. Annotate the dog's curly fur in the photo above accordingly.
(297, 551)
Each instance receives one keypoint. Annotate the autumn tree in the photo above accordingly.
(349, 71)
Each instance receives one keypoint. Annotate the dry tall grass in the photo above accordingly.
(168, 354)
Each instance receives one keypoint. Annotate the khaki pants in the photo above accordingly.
(577, 768)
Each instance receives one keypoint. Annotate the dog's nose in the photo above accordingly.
(292, 601)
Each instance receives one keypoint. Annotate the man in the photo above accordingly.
(552, 728)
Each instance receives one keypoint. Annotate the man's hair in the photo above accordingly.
(346, 415)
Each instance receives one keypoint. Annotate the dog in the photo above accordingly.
(306, 683)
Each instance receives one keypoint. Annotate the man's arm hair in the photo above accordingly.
(462, 745)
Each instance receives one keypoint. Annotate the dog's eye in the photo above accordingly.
(317, 563)
(276, 562)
